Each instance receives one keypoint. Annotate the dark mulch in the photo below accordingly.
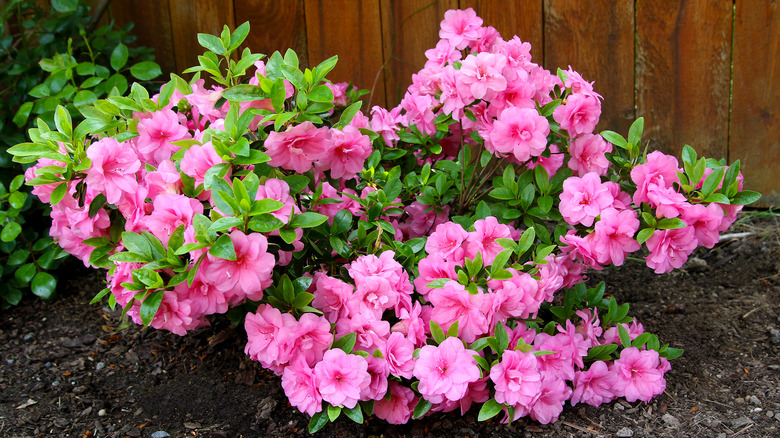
(66, 371)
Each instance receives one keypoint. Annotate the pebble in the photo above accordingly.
(741, 422)
(775, 334)
(722, 435)
(160, 434)
(28, 336)
(625, 432)
(671, 421)
(100, 366)
(754, 400)
(102, 413)
(770, 414)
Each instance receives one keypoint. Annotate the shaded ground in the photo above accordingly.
(65, 371)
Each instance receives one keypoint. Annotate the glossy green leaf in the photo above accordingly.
(43, 285)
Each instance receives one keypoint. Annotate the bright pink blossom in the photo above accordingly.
(447, 241)
(549, 404)
(583, 199)
(614, 236)
(517, 379)
(399, 351)
(157, 134)
(521, 132)
(300, 387)
(588, 154)
(484, 239)
(659, 169)
(594, 386)
(459, 27)
(638, 375)
(454, 303)
(705, 222)
(246, 276)
(398, 408)
(579, 115)
(299, 147)
(349, 150)
(112, 168)
(341, 377)
(480, 76)
(669, 249)
(445, 371)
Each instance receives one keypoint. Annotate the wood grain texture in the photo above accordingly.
(193, 17)
(353, 31)
(275, 25)
(153, 27)
(522, 18)
(683, 74)
(597, 40)
(755, 114)
(409, 28)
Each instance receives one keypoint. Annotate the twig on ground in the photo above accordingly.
(582, 429)
(725, 237)
(739, 432)
(718, 403)
(752, 311)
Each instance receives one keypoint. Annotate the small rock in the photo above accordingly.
(774, 367)
(28, 336)
(190, 425)
(160, 434)
(139, 411)
(671, 421)
(770, 414)
(625, 432)
(9, 361)
(80, 389)
(619, 407)
(722, 435)
(102, 413)
(696, 264)
(739, 400)
(265, 408)
(71, 343)
(100, 366)
(132, 357)
(775, 334)
(741, 422)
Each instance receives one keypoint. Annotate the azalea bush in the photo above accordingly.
(425, 258)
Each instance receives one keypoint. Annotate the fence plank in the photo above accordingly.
(755, 115)
(352, 30)
(409, 28)
(193, 17)
(153, 27)
(683, 74)
(275, 25)
(521, 18)
(597, 40)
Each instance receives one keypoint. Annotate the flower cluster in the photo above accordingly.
(421, 259)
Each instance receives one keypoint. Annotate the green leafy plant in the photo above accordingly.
(51, 54)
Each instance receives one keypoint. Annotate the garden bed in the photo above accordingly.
(67, 372)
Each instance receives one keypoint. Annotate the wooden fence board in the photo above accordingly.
(409, 28)
(521, 18)
(153, 27)
(755, 115)
(597, 40)
(352, 30)
(683, 74)
(275, 25)
(193, 17)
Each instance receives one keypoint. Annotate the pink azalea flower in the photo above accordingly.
(517, 297)
(638, 375)
(173, 315)
(659, 169)
(299, 147)
(412, 325)
(669, 249)
(444, 53)
(480, 76)
(157, 134)
(112, 169)
(583, 199)
(300, 387)
(341, 378)
(484, 238)
(517, 379)
(579, 115)
(205, 299)
(705, 221)
(278, 190)
(588, 154)
(521, 132)
(311, 337)
(268, 337)
(447, 242)
(433, 267)
(399, 351)
(594, 386)
(386, 123)
(549, 404)
(614, 236)
(331, 296)
(249, 274)
(419, 111)
(165, 180)
(371, 333)
(373, 295)
(424, 219)
(454, 303)
(198, 159)
(397, 409)
(459, 27)
(445, 371)
(170, 212)
(379, 372)
(666, 201)
(349, 150)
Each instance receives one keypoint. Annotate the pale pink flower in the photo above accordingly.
(412, 325)
(300, 387)
(278, 190)
(331, 296)
(583, 199)
(666, 201)
(445, 371)
(669, 249)
(579, 115)
(517, 297)
(268, 337)
(173, 315)
(549, 404)
(165, 180)
(588, 154)
(399, 351)
(705, 221)
(373, 295)
(459, 27)
(419, 112)
(483, 239)
(349, 149)
(311, 337)
(444, 53)
(521, 132)
(379, 372)
(157, 134)
(638, 375)
(198, 159)
(447, 241)
(594, 386)
(341, 378)
(298, 147)
(112, 169)
(205, 298)
(659, 169)
(480, 76)
(371, 333)
(433, 267)
(170, 212)
(517, 378)
(386, 123)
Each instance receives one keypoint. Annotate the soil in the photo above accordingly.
(67, 372)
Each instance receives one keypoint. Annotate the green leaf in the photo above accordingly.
(265, 223)
(671, 224)
(150, 305)
(278, 95)
(263, 206)
(226, 223)
(436, 331)
(333, 413)
(43, 285)
(308, 219)
(672, 353)
(346, 343)
(349, 113)
(62, 121)
(25, 273)
(211, 42)
(318, 421)
(321, 93)
(65, 6)
(145, 71)
(689, 155)
(625, 339)
(489, 409)
(745, 197)
(20, 118)
(644, 234)
(355, 414)
(119, 56)
(614, 138)
(10, 231)
(712, 181)
(635, 132)
(223, 248)
(422, 408)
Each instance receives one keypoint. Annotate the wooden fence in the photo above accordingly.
(701, 72)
